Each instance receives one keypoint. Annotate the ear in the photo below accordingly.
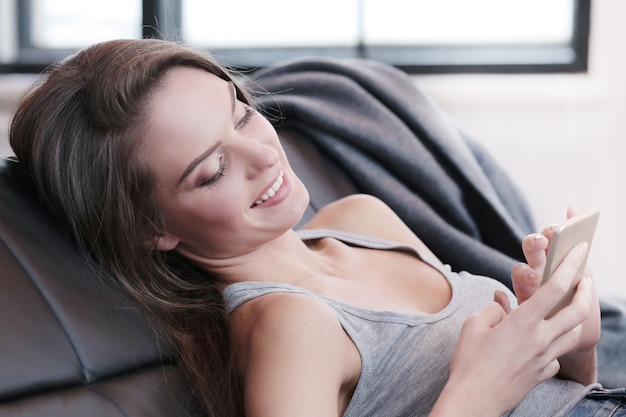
(163, 242)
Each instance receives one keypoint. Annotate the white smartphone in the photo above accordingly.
(577, 229)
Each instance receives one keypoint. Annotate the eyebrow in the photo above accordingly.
(194, 164)
(197, 162)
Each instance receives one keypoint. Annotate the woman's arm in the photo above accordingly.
(294, 358)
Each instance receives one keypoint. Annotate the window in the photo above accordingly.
(416, 35)
(34, 33)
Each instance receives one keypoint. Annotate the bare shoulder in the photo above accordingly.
(291, 350)
(367, 215)
(280, 315)
(358, 213)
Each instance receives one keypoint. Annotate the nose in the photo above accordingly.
(257, 156)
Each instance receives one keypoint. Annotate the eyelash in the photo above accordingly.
(223, 165)
(246, 117)
(211, 182)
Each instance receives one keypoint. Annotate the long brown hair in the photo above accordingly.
(76, 134)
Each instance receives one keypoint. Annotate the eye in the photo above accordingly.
(221, 172)
(249, 112)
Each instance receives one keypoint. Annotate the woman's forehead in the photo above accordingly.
(186, 118)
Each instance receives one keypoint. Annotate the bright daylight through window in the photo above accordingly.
(252, 33)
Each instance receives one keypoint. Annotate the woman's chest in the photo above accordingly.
(385, 280)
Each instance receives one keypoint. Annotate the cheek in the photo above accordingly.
(208, 211)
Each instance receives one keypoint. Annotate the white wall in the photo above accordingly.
(560, 136)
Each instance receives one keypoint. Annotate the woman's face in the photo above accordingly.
(222, 179)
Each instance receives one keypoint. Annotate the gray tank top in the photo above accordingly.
(406, 358)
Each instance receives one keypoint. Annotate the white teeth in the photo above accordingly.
(271, 192)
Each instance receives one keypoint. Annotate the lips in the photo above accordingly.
(271, 191)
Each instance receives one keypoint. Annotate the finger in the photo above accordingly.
(573, 314)
(549, 231)
(501, 298)
(526, 281)
(564, 343)
(572, 210)
(487, 317)
(567, 324)
(534, 247)
(552, 369)
(555, 289)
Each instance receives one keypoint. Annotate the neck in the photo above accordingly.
(285, 259)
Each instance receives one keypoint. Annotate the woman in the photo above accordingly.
(155, 159)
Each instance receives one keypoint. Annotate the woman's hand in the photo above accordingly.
(579, 364)
(502, 355)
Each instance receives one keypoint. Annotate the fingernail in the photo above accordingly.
(537, 237)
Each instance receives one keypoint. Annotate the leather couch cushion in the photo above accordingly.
(72, 343)
(67, 333)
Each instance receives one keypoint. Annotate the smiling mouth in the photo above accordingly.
(270, 192)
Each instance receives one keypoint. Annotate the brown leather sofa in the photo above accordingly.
(71, 343)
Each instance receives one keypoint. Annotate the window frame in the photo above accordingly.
(163, 18)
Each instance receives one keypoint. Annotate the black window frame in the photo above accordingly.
(163, 18)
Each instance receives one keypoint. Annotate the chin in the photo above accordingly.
(299, 204)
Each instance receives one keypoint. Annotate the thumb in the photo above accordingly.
(526, 281)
